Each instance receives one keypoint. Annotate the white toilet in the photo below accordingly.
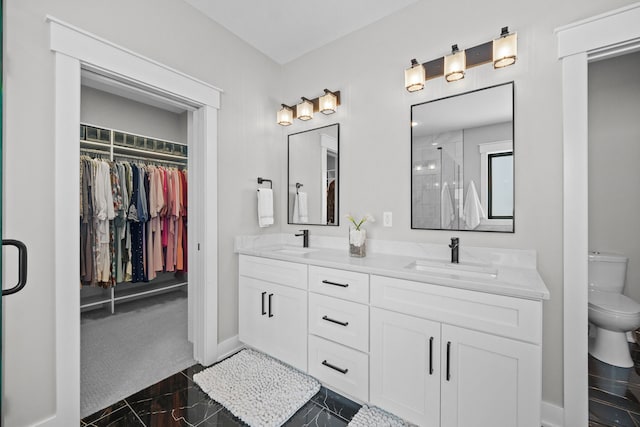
(612, 313)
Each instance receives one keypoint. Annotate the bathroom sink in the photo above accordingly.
(462, 269)
(293, 251)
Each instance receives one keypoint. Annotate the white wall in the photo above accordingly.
(614, 155)
(250, 145)
(367, 67)
(115, 112)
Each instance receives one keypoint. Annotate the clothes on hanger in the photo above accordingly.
(133, 221)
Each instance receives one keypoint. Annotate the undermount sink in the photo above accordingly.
(293, 251)
(462, 269)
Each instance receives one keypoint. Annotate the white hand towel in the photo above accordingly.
(300, 210)
(473, 211)
(446, 207)
(265, 207)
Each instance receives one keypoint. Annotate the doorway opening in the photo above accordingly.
(74, 51)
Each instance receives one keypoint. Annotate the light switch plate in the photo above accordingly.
(387, 219)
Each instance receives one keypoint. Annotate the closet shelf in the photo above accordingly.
(121, 143)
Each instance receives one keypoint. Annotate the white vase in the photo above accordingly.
(357, 243)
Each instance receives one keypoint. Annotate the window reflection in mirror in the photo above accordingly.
(313, 179)
(462, 162)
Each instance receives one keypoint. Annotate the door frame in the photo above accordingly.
(75, 49)
(603, 36)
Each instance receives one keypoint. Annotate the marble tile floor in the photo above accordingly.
(614, 393)
(178, 401)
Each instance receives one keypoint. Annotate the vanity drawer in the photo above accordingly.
(275, 271)
(339, 283)
(341, 368)
(496, 314)
(344, 322)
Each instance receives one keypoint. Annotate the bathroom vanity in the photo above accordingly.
(434, 343)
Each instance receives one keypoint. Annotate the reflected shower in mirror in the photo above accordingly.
(313, 176)
(462, 162)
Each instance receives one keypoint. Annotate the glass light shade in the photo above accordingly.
(304, 110)
(414, 78)
(505, 50)
(454, 66)
(328, 103)
(285, 116)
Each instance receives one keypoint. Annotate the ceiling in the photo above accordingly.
(287, 29)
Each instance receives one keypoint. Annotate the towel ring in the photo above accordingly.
(261, 180)
(298, 185)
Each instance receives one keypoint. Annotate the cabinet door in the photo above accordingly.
(253, 328)
(287, 315)
(405, 366)
(489, 381)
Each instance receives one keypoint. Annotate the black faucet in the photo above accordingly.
(455, 242)
(305, 238)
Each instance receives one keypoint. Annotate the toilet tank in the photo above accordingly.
(607, 271)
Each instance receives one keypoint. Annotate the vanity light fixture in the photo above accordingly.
(304, 110)
(285, 115)
(414, 77)
(326, 104)
(505, 49)
(502, 52)
(455, 64)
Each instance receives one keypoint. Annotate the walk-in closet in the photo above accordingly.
(133, 246)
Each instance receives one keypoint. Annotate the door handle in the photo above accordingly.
(431, 356)
(263, 309)
(448, 360)
(270, 313)
(22, 265)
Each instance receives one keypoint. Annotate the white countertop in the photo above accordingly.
(521, 281)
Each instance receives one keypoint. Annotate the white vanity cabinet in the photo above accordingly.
(451, 357)
(339, 330)
(273, 308)
(456, 352)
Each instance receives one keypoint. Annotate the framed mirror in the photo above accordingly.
(313, 176)
(462, 161)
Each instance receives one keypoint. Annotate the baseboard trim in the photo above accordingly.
(229, 346)
(552, 415)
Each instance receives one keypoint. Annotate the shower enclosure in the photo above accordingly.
(437, 175)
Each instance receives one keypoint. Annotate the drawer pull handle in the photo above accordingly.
(448, 360)
(329, 365)
(342, 285)
(270, 313)
(263, 309)
(431, 356)
(328, 319)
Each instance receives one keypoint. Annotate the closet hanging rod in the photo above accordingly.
(132, 134)
(93, 151)
(151, 154)
(135, 158)
(148, 159)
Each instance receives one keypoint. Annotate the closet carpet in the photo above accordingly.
(144, 342)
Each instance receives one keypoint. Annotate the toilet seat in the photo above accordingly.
(614, 303)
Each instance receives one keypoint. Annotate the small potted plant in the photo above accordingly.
(358, 235)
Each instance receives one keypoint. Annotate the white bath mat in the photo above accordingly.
(256, 388)
(371, 416)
